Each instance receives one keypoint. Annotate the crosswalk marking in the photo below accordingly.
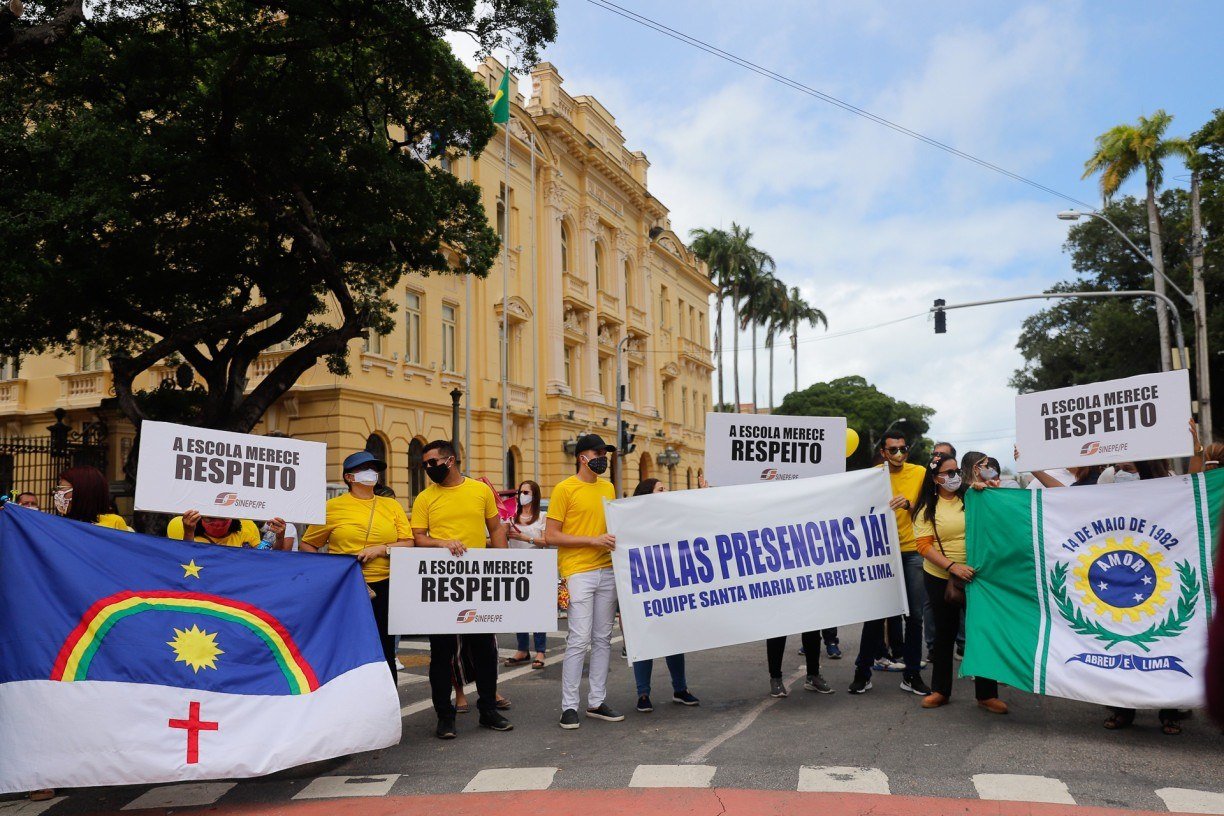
(1022, 788)
(511, 779)
(194, 794)
(24, 807)
(839, 779)
(1185, 800)
(672, 776)
(335, 787)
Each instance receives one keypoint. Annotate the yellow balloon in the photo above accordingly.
(852, 441)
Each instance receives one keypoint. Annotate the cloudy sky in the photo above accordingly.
(873, 225)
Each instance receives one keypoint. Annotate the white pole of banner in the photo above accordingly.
(535, 328)
(505, 320)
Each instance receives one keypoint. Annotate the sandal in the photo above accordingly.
(503, 704)
(537, 663)
(1119, 719)
(462, 709)
(1170, 726)
(41, 795)
(516, 661)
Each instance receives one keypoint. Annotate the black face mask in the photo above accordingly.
(598, 465)
(438, 472)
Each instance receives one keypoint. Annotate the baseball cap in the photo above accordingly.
(363, 459)
(592, 442)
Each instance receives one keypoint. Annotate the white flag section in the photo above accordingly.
(481, 591)
(1126, 420)
(230, 475)
(748, 448)
(1101, 594)
(699, 569)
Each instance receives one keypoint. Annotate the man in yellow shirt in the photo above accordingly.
(906, 479)
(576, 526)
(458, 514)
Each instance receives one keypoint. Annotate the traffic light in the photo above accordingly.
(941, 317)
(626, 439)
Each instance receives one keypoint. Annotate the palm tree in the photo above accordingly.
(1121, 151)
(776, 304)
(755, 283)
(714, 247)
(799, 311)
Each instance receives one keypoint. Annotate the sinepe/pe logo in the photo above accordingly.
(769, 474)
(226, 499)
(466, 616)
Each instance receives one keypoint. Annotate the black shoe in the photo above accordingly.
(446, 729)
(685, 698)
(644, 705)
(914, 685)
(569, 720)
(861, 683)
(494, 720)
(605, 712)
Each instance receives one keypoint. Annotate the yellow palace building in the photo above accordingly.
(590, 263)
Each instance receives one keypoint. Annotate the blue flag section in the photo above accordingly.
(100, 617)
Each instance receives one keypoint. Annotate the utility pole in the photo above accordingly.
(1202, 363)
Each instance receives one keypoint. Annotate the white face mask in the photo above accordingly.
(1125, 476)
(952, 483)
(525, 498)
(366, 477)
(63, 501)
(988, 473)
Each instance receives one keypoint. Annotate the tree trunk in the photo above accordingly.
(771, 402)
(735, 305)
(754, 366)
(795, 351)
(1154, 237)
(718, 350)
(1202, 360)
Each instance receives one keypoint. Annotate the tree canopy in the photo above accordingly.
(208, 180)
(867, 410)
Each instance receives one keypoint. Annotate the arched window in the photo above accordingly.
(688, 479)
(512, 469)
(565, 249)
(376, 445)
(599, 267)
(629, 285)
(416, 470)
(644, 467)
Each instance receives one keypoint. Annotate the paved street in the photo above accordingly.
(1045, 750)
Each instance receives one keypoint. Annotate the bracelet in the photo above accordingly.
(951, 564)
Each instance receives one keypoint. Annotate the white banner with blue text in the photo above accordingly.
(699, 569)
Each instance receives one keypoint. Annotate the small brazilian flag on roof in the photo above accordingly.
(501, 102)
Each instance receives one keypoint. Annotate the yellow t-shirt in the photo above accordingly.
(247, 535)
(906, 482)
(458, 513)
(578, 505)
(950, 519)
(344, 531)
(113, 522)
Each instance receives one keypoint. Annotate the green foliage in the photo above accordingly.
(868, 411)
(215, 178)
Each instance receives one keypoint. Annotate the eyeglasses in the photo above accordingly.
(898, 449)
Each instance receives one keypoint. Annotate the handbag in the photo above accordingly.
(370, 526)
(954, 590)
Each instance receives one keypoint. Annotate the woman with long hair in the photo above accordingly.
(939, 533)
(526, 530)
(83, 495)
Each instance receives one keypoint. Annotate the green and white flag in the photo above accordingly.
(1099, 594)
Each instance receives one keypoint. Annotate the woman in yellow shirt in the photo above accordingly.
(939, 534)
(192, 526)
(366, 526)
(83, 495)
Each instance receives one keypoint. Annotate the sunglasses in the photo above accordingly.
(899, 449)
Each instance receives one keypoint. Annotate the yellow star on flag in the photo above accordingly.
(191, 569)
(195, 647)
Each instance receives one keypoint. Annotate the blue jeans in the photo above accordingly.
(642, 670)
(541, 641)
(873, 631)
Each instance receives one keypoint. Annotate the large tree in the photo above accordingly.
(205, 180)
(868, 410)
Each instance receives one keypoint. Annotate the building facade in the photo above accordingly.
(590, 263)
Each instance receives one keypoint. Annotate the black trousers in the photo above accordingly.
(775, 649)
(482, 652)
(947, 626)
(382, 592)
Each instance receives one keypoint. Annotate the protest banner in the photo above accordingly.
(230, 475)
(747, 448)
(172, 661)
(1101, 594)
(489, 590)
(1126, 420)
(698, 569)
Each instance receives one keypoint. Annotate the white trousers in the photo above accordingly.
(592, 611)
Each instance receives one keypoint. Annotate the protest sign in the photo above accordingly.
(230, 475)
(698, 569)
(437, 593)
(746, 448)
(1101, 594)
(1126, 420)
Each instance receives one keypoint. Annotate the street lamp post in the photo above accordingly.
(616, 474)
(1202, 369)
